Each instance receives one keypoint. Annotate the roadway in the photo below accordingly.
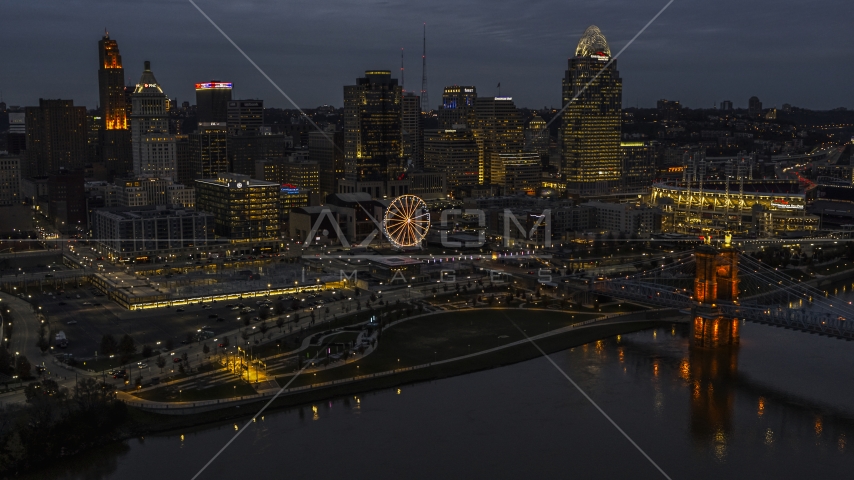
(25, 329)
(92, 326)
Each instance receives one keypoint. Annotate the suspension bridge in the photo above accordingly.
(737, 286)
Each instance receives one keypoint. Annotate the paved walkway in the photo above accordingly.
(26, 335)
(192, 407)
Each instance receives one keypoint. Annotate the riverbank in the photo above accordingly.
(494, 332)
(147, 422)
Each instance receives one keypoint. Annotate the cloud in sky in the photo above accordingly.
(698, 52)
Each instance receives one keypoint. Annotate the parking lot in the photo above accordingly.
(94, 316)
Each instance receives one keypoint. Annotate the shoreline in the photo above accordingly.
(150, 422)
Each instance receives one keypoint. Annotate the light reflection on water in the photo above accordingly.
(745, 412)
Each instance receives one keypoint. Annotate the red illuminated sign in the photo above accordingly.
(210, 85)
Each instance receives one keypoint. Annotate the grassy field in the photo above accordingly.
(291, 341)
(448, 335)
(234, 388)
(422, 341)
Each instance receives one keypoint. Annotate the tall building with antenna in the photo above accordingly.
(412, 133)
(402, 83)
(425, 101)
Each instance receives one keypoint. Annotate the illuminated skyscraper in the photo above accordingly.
(498, 125)
(111, 85)
(212, 100)
(517, 172)
(638, 167)
(245, 117)
(372, 125)
(455, 152)
(457, 106)
(114, 136)
(537, 137)
(590, 134)
(209, 150)
(154, 149)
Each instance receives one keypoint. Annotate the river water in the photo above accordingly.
(778, 406)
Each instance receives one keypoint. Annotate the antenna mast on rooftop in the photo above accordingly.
(425, 102)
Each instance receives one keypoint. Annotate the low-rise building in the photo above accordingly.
(349, 213)
(395, 270)
(762, 207)
(626, 218)
(427, 185)
(148, 230)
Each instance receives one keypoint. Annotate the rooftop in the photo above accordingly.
(592, 42)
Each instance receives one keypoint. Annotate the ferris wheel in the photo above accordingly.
(406, 221)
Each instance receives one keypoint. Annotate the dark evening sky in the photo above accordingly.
(698, 52)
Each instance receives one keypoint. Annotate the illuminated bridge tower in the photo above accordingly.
(716, 280)
(713, 356)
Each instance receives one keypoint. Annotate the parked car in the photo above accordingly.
(213, 315)
(176, 360)
(71, 322)
(179, 310)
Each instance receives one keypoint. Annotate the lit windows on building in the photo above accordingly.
(759, 207)
(590, 134)
(373, 146)
(244, 209)
(455, 152)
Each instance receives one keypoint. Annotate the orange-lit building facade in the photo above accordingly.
(111, 85)
(717, 275)
(114, 135)
(716, 279)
